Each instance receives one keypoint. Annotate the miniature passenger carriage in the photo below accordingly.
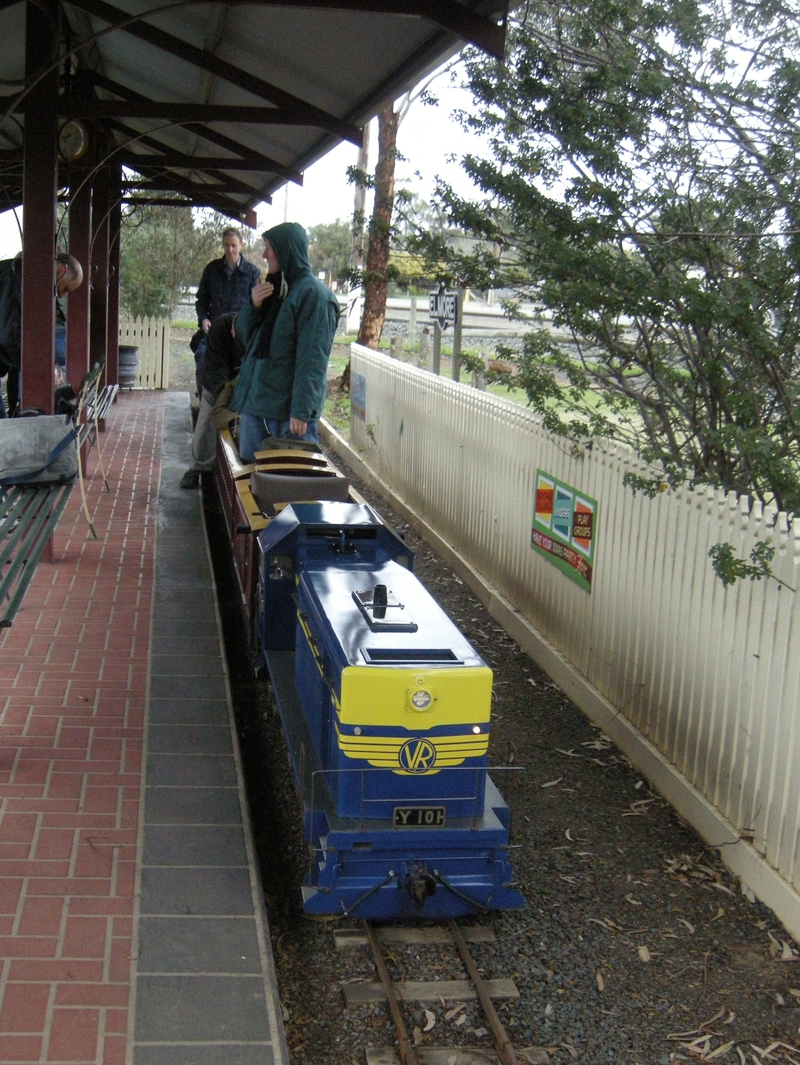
(385, 705)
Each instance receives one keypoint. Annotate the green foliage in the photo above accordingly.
(729, 568)
(642, 193)
(329, 247)
(164, 250)
(652, 486)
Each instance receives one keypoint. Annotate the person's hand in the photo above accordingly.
(205, 325)
(262, 291)
(297, 427)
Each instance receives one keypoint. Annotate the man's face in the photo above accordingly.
(272, 259)
(233, 249)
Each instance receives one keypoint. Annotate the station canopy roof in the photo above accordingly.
(222, 103)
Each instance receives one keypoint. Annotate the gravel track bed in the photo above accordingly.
(635, 946)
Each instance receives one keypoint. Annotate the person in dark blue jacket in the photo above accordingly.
(226, 282)
(224, 287)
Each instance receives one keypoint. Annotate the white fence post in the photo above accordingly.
(710, 675)
(151, 336)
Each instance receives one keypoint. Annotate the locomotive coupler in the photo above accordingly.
(420, 885)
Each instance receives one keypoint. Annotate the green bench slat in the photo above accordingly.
(28, 516)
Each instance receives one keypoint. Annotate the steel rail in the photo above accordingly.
(503, 1043)
(407, 1055)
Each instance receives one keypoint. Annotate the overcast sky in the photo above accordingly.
(427, 137)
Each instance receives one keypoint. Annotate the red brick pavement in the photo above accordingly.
(73, 672)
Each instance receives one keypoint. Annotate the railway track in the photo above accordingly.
(395, 993)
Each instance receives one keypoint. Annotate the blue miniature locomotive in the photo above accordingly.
(386, 711)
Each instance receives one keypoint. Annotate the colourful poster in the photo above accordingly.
(358, 395)
(564, 528)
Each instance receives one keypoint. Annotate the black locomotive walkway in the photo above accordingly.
(132, 929)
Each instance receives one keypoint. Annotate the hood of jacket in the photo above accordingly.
(290, 244)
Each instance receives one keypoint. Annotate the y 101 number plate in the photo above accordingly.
(419, 816)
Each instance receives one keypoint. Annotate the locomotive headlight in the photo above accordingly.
(421, 699)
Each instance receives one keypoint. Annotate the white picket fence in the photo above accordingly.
(151, 337)
(709, 675)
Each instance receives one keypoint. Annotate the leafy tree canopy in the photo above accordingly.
(642, 191)
(164, 250)
(329, 247)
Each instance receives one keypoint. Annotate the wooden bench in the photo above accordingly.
(28, 516)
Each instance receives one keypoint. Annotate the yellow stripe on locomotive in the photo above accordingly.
(415, 755)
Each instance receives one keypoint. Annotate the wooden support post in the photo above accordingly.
(39, 181)
(114, 240)
(437, 348)
(98, 330)
(80, 234)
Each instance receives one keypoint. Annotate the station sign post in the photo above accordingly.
(443, 310)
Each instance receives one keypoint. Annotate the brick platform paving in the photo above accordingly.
(73, 699)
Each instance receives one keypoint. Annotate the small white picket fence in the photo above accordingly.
(151, 337)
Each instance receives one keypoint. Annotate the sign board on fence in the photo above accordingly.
(564, 528)
(358, 395)
(443, 307)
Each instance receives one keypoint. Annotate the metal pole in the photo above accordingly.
(437, 347)
(457, 334)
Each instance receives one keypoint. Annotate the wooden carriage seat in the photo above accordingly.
(271, 489)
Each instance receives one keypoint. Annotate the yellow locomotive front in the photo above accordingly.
(404, 701)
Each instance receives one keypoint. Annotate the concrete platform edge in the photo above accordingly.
(268, 962)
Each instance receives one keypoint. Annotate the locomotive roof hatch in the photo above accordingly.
(421, 633)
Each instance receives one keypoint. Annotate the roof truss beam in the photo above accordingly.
(451, 16)
(174, 112)
(219, 182)
(178, 161)
(169, 157)
(246, 155)
(295, 111)
(197, 196)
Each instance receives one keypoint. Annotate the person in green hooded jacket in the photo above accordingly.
(288, 338)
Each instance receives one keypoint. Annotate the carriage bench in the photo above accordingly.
(28, 516)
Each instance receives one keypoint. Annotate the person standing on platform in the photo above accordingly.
(223, 357)
(283, 379)
(224, 287)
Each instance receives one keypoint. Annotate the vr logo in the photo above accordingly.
(417, 756)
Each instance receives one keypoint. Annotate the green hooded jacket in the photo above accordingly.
(284, 371)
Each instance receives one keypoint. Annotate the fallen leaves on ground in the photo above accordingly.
(534, 1055)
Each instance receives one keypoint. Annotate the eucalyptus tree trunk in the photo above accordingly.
(375, 283)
